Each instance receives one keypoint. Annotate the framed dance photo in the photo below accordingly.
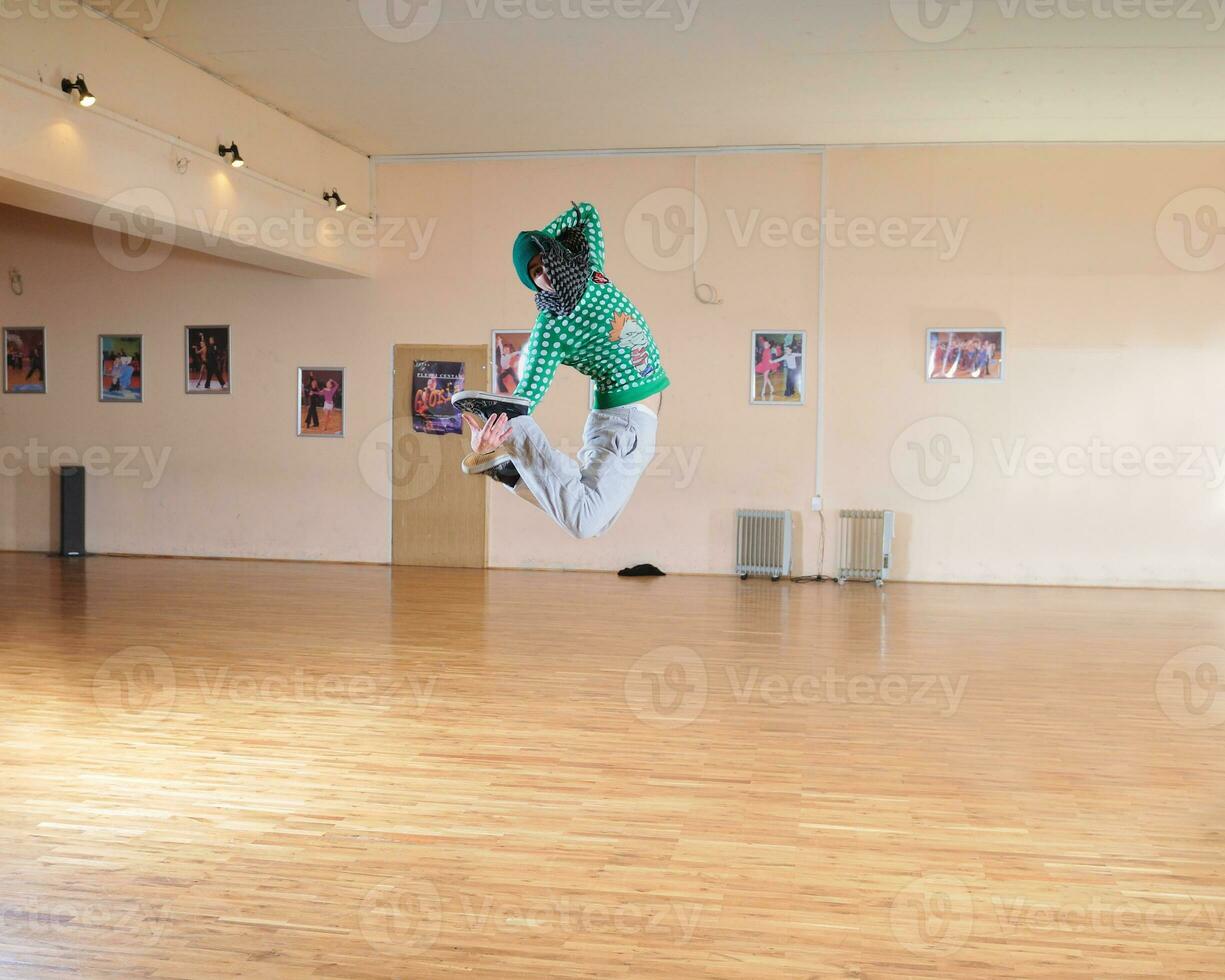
(506, 349)
(776, 369)
(25, 360)
(965, 355)
(208, 360)
(321, 407)
(120, 362)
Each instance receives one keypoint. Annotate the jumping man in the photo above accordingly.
(586, 323)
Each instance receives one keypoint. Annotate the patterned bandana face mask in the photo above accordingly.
(567, 263)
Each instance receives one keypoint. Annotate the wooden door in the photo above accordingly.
(438, 512)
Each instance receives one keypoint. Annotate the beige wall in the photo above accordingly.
(1108, 340)
(1112, 344)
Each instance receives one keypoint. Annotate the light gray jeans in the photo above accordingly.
(587, 496)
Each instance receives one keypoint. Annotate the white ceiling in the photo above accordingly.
(743, 72)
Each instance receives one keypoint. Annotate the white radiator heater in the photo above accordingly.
(865, 546)
(763, 543)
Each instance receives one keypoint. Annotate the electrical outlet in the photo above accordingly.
(817, 503)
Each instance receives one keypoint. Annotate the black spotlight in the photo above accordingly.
(79, 86)
(334, 199)
(224, 151)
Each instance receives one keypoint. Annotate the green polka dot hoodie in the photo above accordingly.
(604, 338)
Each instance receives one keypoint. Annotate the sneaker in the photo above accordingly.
(484, 462)
(485, 405)
(506, 474)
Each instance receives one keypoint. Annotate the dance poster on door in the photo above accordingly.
(434, 382)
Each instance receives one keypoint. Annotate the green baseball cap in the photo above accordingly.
(526, 249)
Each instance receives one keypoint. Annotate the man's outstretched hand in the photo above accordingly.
(491, 435)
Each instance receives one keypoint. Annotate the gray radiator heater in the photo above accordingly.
(865, 545)
(763, 543)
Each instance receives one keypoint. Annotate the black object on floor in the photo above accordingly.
(639, 570)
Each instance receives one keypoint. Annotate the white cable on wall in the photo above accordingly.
(824, 189)
(704, 291)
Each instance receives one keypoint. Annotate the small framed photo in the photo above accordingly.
(321, 406)
(25, 360)
(120, 362)
(208, 360)
(506, 349)
(965, 355)
(776, 373)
